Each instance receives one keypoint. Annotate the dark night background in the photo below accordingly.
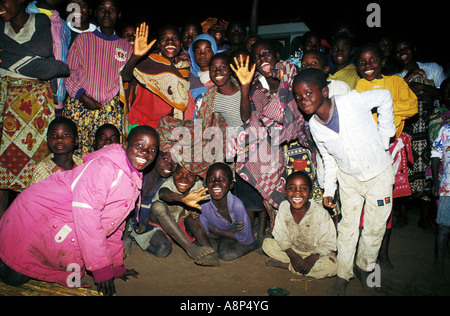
(426, 22)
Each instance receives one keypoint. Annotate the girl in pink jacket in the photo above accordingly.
(75, 219)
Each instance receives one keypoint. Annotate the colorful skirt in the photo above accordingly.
(26, 109)
(88, 121)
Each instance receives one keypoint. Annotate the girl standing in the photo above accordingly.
(93, 85)
(26, 101)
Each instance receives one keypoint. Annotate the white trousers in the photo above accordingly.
(375, 196)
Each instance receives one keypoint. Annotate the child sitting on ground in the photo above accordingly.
(75, 219)
(170, 210)
(150, 238)
(62, 140)
(441, 189)
(355, 152)
(224, 217)
(304, 234)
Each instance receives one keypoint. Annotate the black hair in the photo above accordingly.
(142, 128)
(320, 55)
(368, 46)
(197, 25)
(311, 75)
(106, 126)
(116, 4)
(224, 167)
(264, 41)
(343, 37)
(239, 51)
(309, 34)
(224, 56)
(167, 27)
(66, 121)
(302, 174)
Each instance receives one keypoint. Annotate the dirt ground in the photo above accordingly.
(411, 252)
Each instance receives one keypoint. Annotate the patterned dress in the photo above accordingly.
(417, 128)
(26, 99)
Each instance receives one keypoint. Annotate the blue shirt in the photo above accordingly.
(238, 213)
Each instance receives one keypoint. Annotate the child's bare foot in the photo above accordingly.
(271, 262)
(338, 288)
(204, 255)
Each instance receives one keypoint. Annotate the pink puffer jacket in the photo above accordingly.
(71, 217)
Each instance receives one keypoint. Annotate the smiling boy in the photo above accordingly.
(304, 234)
(179, 195)
(224, 217)
(355, 152)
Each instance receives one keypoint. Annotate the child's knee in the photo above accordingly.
(163, 250)
(159, 208)
(11, 277)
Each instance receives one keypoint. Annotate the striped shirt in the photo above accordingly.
(95, 61)
(230, 108)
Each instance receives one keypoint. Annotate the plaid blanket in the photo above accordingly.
(275, 120)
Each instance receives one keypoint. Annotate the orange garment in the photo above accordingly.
(148, 108)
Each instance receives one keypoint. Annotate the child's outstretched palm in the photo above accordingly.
(194, 197)
(243, 73)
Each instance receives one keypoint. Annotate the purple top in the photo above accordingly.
(238, 213)
(333, 123)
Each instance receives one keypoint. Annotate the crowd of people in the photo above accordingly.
(306, 157)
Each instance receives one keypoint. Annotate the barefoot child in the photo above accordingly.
(224, 217)
(151, 238)
(170, 210)
(355, 152)
(62, 139)
(77, 217)
(304, 233)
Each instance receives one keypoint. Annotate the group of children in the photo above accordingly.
(327, 140)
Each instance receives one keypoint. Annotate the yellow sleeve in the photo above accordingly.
(405, 100)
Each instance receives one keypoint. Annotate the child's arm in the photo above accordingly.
(141, 48)
(329, 176)
(382, 101)
(230, 234)
(245, 77)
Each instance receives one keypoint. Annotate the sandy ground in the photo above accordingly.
(411, 252)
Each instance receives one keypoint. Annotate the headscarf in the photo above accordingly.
(197, 88)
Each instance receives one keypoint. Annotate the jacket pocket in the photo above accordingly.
(56, 247)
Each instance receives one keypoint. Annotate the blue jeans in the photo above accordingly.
(443, 212)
